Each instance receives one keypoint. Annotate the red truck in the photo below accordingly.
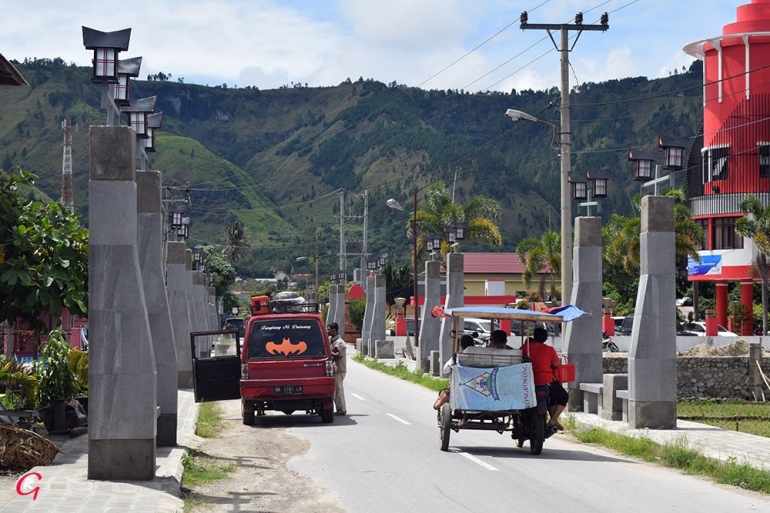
(284, 362)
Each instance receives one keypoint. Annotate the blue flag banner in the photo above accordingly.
(493, 388)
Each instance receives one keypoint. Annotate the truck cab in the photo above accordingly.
(283, 363)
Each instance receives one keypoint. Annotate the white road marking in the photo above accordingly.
(474, 459)
(358, 397)
(402, 421)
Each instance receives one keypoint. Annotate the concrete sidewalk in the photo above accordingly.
(64, 486)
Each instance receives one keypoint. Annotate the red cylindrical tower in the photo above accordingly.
(735, 154)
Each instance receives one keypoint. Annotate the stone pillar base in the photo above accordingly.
(166, 430)
(651, 414)
(121, 459)
(575, 402)
(423, 366)
(185, 379)
(435, 364)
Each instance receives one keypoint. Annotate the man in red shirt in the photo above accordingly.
(544, 361)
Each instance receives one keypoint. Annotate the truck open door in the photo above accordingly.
(216, 365)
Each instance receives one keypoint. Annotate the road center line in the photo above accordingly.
(474, 459)
(358, 397)
(402, 421)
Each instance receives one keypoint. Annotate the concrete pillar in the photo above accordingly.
(150, 241)
(368, 315)
(176, 270)
(380, 307)
(341, 311)
(455, 298)
(331, 313)
(122, 375)
(582, 337)
(652, 359)
(430, 327)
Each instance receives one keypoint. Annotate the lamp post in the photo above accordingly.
(566, 205)
(397, 206)
(590, 191)
(107, 46)
(673, 160)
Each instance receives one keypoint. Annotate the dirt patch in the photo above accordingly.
(261, 481)
(737, 348)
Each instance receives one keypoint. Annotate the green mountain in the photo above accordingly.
(275, 159)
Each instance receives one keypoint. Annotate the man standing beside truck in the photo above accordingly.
(339, 353)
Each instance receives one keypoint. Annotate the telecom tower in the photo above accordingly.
(66, 168)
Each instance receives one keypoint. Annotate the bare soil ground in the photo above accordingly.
(261, 481)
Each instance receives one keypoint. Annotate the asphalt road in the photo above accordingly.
(384, 457)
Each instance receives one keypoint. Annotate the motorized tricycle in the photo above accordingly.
(494, 389)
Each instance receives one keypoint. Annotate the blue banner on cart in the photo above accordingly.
(493, 388)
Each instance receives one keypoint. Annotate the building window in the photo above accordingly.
(723, 234)
(764, 160)
(715, 164)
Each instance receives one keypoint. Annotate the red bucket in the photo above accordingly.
(566, 372)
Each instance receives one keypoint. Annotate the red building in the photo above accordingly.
(732, 157)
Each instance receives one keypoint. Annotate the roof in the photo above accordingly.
(493, 263)
(9, 76)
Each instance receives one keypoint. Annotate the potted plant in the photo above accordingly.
(55, 383)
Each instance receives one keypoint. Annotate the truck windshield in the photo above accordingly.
(286, 338)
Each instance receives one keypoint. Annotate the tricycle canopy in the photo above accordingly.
(561, 314)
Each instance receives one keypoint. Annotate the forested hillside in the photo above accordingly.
(274, 159)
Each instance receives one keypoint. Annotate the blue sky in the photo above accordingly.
(432, 44)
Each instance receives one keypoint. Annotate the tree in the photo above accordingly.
(234, 241)
(43, 256)
(398, 282)
(756, 226)
(438, 211)
(535, 254)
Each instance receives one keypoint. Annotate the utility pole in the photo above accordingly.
(342, 232)
(315, 290)
(67, 197)
(565, 133)
(365, 248)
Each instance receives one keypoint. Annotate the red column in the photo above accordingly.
(747, 304)
(721, 294)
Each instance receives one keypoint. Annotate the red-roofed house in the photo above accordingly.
(496, 274)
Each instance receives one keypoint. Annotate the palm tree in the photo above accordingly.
(756, 226)
(535, 254)
(439, 211)
(234, 241)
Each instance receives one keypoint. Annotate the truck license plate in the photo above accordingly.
(291, 389)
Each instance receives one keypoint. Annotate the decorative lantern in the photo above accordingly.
(643, 164)
(460, 230)
(154, 122)
(599, 183)
(106, 47)
(121, 90)
(674, 148)
(138, 111)
(579, 187)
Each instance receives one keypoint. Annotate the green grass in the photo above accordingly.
(199, 469)
(676, 455)
(401, 371)
(735, 415)
(209, 420)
